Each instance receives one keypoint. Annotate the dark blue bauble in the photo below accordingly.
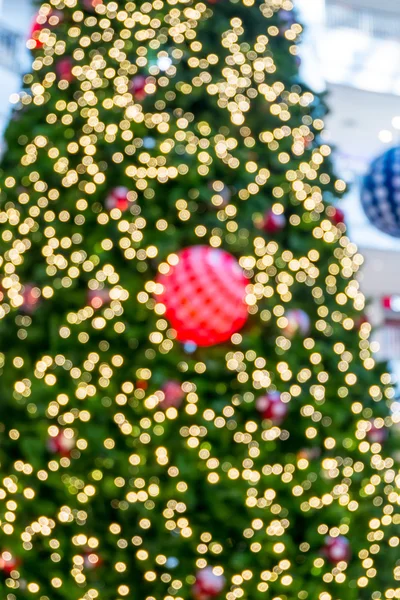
(380, 194)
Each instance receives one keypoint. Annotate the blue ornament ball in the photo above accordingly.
(380, 194)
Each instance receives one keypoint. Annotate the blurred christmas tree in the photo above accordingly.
(190, 407)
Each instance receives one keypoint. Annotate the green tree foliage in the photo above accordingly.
(108, 489)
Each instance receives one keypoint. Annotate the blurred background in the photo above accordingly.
(351, 50)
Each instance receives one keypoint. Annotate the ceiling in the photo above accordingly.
(390, 6)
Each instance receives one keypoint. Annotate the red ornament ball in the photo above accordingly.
(61, 444)
(31, 299)
(337, 549)
(35, 33)
(90, 5)
(8, 562)
(360, 321)
(41, 22)
(96, 298)
(64, 69)
(137, 87)
(118, 198)
(204, 296)
(273, 223)
(337, 216)
(208, 585)
(272, 408)
(307, 141)
(309, 453)
(173, 394)
(377, 435)
(298, 321)
(142, 384)
(91, 560)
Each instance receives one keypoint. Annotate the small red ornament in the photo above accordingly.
(137, 87)
(298, 322)
(337, 217)
(8, 562)
(337, 549)
(391, 303)
(360, 321)
(35, 33)
(376, 434)
(64, 69)
(142, 384)
(273, 223)
(91, 560)
(309, 453)
(118, 198)
(31, 298)
(208, 585)
(90, 5)
(308, 140)
(271, 407)
(204, 296)
(96, 298)
(173, 394)
(61, 444)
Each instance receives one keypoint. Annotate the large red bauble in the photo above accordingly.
(204, 296)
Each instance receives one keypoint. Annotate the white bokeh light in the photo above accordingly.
(164, 63)
(385, 136)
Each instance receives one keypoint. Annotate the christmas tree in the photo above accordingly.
(190, 404)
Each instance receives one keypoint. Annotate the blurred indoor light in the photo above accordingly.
(311, 12)
(385, 136)
(396, 122)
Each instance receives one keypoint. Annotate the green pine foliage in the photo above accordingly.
(105, 493)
